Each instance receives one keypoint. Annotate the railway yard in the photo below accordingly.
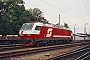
(72, 51)
(39, 41)
(59, 32)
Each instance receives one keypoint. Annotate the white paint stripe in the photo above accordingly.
(60, 36)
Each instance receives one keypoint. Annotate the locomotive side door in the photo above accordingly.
(36, 29)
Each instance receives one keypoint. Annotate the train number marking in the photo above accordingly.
(49, 32)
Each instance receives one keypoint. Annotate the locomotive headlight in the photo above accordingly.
(29, 35)
(21, 35)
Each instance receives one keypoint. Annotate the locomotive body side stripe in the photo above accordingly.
(60, 36)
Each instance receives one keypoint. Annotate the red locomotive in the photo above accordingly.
(38, 33)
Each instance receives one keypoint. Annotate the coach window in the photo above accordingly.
(37, 27)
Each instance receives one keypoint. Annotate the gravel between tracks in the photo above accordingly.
(43, 55)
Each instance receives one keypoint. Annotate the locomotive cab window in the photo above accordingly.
(38, 27)
(27, 26)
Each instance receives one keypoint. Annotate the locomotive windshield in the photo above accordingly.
(27, 26)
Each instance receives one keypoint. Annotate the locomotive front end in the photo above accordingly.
(25, 34)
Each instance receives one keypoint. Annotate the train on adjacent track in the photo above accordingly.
(37, 33)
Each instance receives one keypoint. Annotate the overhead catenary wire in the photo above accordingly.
(65, 5)
(60, 9)
(87, 3)
(85, 6)
(53, 6)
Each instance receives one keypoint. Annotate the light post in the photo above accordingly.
(70, 27)
(74, 31)
(59, 20)
(85, 29)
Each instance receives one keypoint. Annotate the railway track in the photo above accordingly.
(10, 47)
(18, 46)
(25, 51)
(78, 54)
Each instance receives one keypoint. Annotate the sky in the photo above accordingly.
(73, 12)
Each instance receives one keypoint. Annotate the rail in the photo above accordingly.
(20, 52)
(83, 53)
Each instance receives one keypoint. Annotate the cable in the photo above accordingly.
(87, 3)
(65, 5)
(53, 6)
(85, 6)
(60, 9)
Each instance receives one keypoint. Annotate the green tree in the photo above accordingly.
(36, 14)
(66, 25)
(43, 20)
(12, 16)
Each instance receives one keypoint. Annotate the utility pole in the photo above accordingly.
(59, 19)
(74, 31)
(85, 29)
